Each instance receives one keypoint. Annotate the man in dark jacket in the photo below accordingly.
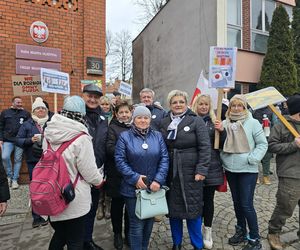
(10, 121)
(287, 148)
(98, 127)
(4, 190)
(157, 112)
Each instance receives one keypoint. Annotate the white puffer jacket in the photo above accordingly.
(79, 157)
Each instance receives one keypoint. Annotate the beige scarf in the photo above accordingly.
(236, 140)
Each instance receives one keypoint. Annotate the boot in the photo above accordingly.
(176, 247)
(253, 245)
(118, 241)
(239, 237)
(257, 181)
(207, 238)
(100, 212)
(107, 207)
(274, 241)
(266, 180)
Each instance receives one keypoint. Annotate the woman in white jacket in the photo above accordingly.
(79, 157)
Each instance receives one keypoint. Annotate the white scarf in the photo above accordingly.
(40, 121)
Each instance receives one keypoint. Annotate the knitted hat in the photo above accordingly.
(240, 98)
(141, 111)
(74, 104)
(293, 104)
(38, 103)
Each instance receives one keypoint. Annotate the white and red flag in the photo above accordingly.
(202, 88)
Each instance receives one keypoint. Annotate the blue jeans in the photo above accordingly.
(194, 229)
(7, 149)
(242, 186)
(139, 230)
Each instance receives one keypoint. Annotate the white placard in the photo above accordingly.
(125, 88)
(55, 81)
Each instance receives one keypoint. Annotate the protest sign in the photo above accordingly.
(55, 81)
(27, 85)
(125, 88)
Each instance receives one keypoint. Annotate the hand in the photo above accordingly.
(155, 186)
(34, 138)
(199, 177)
(3, 206)
(219, 126)
(297, 141)
(1, 144)
(140, 184)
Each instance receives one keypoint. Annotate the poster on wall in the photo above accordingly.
(24, 85)
(55, 81)
(222, 67)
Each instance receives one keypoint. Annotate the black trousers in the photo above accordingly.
(117, 214)
(68, 232)
(208, 208)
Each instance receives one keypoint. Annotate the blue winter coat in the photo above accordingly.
(23, 139)
(132, 160)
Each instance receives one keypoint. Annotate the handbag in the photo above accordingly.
(223, 188)
(150, 204)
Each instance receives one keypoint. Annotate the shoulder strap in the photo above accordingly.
(68, 143)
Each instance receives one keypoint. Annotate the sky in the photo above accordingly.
(122, 15)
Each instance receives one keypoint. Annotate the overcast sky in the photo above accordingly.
(122, 15)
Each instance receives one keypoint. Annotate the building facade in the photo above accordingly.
(174, 47)
(74, 43)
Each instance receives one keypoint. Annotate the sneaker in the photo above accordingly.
(253, 245)
(239, 237)
(207, 237)
(43, 222)
(40, 221)
(15, 185)
(274, 241)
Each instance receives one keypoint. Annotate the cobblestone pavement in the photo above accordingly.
(16, 231)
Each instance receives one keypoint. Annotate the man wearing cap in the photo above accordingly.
(10, 121)
(157, 112)
(287, 149)
(97, 126)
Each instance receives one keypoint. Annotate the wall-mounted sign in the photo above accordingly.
(39, 31)
(94, 66)
(24, 51)
(55, 81)
(27, 85)
(26, 67)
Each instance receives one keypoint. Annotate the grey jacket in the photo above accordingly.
(281, 142)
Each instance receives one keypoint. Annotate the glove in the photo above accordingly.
(37, 150)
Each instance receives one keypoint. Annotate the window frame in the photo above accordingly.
(235, 26)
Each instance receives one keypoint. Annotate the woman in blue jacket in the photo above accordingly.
(29, 133)
(140, 153)
(244, 147)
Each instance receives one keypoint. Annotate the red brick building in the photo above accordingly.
(76, 29)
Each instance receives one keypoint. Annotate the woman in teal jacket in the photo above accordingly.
(243, 150)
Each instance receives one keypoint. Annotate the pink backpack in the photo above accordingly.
(50, 182)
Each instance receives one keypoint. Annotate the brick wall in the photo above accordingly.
(78, 34)
(246, 24)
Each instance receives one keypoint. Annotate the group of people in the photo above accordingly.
(145, 147)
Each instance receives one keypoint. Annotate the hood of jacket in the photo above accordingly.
(61, 129)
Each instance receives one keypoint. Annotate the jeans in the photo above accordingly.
(7, 149)
(287, 198)
(242, 186)
(68, 232)
(90, 217)
(139, 230)
(194, 229)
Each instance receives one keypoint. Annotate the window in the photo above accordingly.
(234, 23)
(261, 18)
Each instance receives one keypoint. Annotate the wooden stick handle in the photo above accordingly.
(55, 103)
(284, 121)
(219, 112)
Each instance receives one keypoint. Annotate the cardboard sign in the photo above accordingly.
(222, 67)
(125, 88)
(55, 81)
(264, 97)
(27, 85)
